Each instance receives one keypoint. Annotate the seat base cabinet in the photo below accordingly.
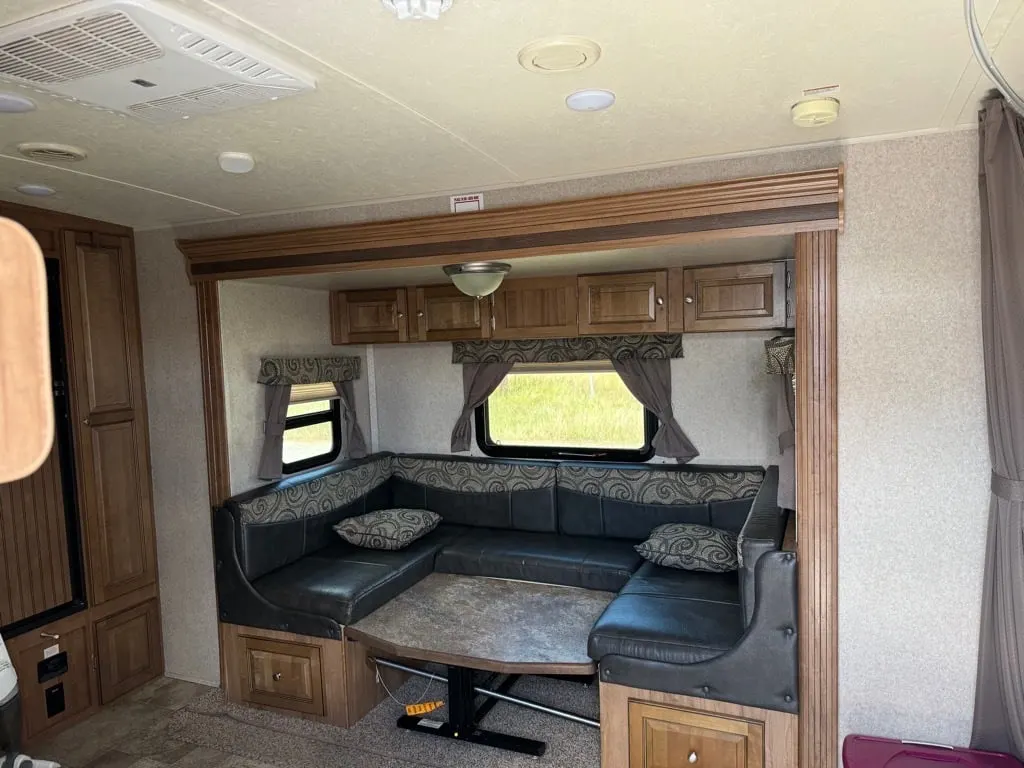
(650, 729)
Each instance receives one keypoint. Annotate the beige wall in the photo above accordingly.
(913, 451)
(268, 321)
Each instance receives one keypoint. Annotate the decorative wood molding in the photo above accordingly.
(214, 409)
(776, 205)
(817, 497)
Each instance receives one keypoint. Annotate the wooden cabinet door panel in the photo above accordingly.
(444, 313)
(281, 674)
(623, 303)
(666, 737)
(129, 650)
(737, 297)
(535, 308)
(369, 317)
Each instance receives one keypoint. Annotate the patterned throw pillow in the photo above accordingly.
(691, 548)
(387, 528)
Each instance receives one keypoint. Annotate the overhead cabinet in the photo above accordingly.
(444, 313)
(737, 297)
(369, 317)
(632, 302)
(535, 308)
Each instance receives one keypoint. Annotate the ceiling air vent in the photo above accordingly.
(142, 58)
(51, 153)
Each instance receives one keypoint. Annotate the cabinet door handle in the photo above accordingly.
(277, 676)
(49, 636)
(418, 314)
(659, 301)
(688, 299)
(693, 757)
(401, 315)
(87, 422)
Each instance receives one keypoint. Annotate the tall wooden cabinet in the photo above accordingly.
(113, 642)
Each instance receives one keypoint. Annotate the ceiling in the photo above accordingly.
(417, 108)
(726, 251)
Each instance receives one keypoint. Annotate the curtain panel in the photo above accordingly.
(308, 370)
(353, 445)
(780, 362)
(650, 382)
(479, 380)
(663, 346)
(999, 698)
(277, 397)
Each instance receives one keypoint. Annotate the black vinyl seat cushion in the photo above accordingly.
(345, 583)
(550, 558)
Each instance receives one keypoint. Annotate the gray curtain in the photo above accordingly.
(277, 396)
(479, 380)
(785, 422)
(650, 382)
(999, 700)
(353, 445)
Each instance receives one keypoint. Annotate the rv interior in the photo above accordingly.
(476, 383)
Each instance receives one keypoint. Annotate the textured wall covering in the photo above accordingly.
(263, 321)
(177, 444)
(913, 461)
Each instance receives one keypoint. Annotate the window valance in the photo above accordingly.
(779, 359)
(308, 370)
(640, 347)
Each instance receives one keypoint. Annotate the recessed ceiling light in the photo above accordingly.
(590, 100)
(36, 190)
(814, 113)
(559, 54)
(12, 103)
(236, 162)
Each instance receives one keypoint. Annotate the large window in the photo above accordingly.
(565, 410)
(312, 433)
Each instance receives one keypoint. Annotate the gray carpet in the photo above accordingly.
(268, 737)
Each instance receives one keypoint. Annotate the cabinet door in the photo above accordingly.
(740, 297)
(110, 408)
(129, 650)
(666, 737)
(281, 674)
(633, 302)
(369, 317)
(535, 308)
(444, 313)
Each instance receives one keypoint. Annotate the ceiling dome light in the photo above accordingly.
(814, 113)
(418, 9)
(11, 103)
(478, 278)
(236, 162)
(36, 190)
(590, 100)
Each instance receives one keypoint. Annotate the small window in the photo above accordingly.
(312, 433)
(563, 411)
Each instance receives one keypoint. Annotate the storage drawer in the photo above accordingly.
(667, 737)
(129, 649)
(281, 674)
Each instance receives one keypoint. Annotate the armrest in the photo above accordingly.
(761, 533)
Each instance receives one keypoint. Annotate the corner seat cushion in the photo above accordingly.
(345, 583)
(550, 558)
(658, 581)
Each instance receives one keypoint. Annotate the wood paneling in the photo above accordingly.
(363, 691)
(535, 308)
(817, 497)
(444, 313)
(675, 737)
(735, 297)
(618, 702)
(128, 650)
(369, 317)
(214, 408)
(782, 204)
(54, 221)
(628, 302)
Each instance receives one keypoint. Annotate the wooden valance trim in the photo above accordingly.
(782, 204)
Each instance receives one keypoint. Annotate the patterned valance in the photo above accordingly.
(647, 347)
(779, 359)
(308, 370)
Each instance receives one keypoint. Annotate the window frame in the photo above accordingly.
(562, 453)
(331, 416)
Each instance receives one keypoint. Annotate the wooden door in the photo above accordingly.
(666, 737)
(632, 302)
(444, 313)
(535, 308)
(369, 317)
(737, 297)
(282, 674)
(129, 650)
(109, 413)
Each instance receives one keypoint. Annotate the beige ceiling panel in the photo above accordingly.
(1009, 57)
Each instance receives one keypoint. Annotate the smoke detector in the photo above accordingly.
(814, 113)
(46, 152)
(559, 54)
(145, 59)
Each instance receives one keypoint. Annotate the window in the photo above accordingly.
(565, 410)
(312, 432)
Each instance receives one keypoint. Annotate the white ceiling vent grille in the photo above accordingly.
(51, 153)
(145, 59)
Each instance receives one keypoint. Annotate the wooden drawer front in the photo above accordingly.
(666, 737)
(26, 653)
(128, 649)
(284, 675)
(735, 298)
(536, 308)
(627, 303)
(369, 317)
(444, 313)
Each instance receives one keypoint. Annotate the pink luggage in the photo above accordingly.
(869, 752)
